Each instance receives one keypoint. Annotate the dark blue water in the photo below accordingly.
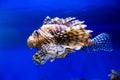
(18, 19)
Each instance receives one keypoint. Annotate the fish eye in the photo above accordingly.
(36, 32)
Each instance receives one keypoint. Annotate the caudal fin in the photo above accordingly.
(102, 42)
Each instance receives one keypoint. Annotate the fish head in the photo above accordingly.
(33, 40)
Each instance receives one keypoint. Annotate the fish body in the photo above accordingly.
(58, 37)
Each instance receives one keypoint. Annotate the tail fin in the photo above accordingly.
(102, 42)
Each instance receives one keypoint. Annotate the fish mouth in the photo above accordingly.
(30, 42)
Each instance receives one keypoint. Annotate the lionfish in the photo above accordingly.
(115, 75)
(58, 37)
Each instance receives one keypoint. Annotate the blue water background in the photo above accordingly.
(18, 19)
